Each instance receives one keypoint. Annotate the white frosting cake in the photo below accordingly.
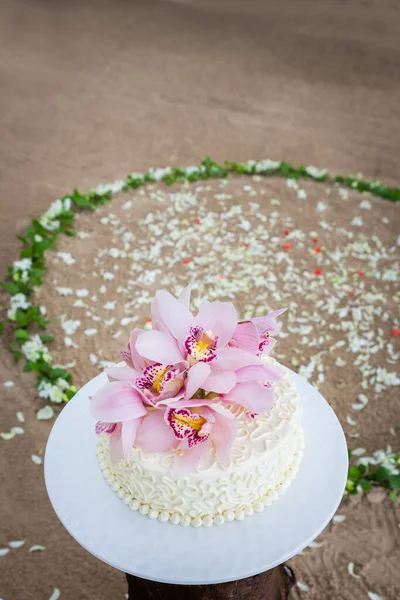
(263, 461)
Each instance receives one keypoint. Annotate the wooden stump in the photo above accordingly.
(271, 585)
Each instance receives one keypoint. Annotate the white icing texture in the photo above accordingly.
(264, 459)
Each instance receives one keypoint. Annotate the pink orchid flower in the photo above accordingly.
(154, 380)
(256, 334)
(193, 428)
(179, 336)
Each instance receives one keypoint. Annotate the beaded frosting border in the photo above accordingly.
(207, 521)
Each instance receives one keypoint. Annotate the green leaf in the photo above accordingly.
(28, 366)
(22, 318)
(1, 327)
(11, 288)
(17, 355)
(354, 473)
(382, 475)
(47, 338)
(366, 485)
(393, 496)
(394, 482)
(22, 335)
(27, 252)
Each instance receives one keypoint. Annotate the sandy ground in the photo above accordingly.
(91, 91)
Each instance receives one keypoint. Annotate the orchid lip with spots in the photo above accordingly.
(182, 376)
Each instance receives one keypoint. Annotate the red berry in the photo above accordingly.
(318, 271)
(286, 232)
(317, 249)
(360, 273)
(186, 261)
(351, 292)
(315, 240)
(287, 246)
(395, 332)
(244, 245)
(198, 221)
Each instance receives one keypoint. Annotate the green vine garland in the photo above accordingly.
(27, 273)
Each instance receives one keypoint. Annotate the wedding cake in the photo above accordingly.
(200, 426)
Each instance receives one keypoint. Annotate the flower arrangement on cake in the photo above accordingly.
(194, 402)
(181, 377)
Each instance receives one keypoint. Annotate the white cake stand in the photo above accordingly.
(126, 540)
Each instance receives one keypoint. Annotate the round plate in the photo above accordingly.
(104, 526)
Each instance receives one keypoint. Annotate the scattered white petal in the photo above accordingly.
(36, 548)
(82, 293)
(64, 291)
(9, 384)
(4, 551)
(90, 332)
(16, 544)
(338, 518)
(373, 596)
(303, 586)
(93, 359)
(350, 569)
(110, 305)
(56, 594)
(20, 417)
(358, 451)
(315, 545)
(36, 459)
(350, 421)
(357, 222)
(45, 413)
(7, 435)
(66, 257)
(366, 204)
(18, 430)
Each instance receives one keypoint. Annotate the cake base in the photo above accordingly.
(186, 519)
(146, 548)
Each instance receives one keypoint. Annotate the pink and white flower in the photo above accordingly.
(193, 428)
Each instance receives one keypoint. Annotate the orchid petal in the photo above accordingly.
(102, 427)
(138, 362)
(258, 373)
(196, 377)
(122, 374)
(220, 382)
(223, 435)
(174, 315)
(159, 347)
(218, 317)
(232, 359)
(117, 401)
(190, 459)
(221, 410)
(253, 396)
(247, 336)
(154, 434)
(184, 296)
(128, 434)
(116, 453)
(268, 322)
